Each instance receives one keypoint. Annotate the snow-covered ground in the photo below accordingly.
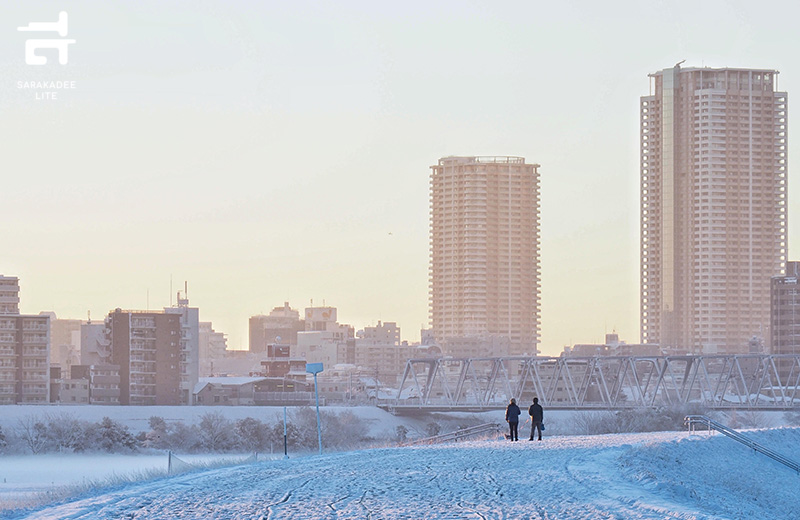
(645, 475)
(27, 478)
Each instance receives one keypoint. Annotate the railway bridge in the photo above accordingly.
(751, 381)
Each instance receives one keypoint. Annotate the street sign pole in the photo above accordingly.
(316, 368)
(319, 429)
(285, 442)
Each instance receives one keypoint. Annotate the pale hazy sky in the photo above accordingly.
(280, 151)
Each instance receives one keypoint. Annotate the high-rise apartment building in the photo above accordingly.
(484, 271)
(713, 206)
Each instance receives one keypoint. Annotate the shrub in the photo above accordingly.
(635, 420)
(432, 429)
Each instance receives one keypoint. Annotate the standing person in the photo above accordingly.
(537, 417)
(512, 418)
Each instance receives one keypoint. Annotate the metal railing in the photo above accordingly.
(692, 420)
(458, 435)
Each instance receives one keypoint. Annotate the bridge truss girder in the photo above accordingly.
(609, 382)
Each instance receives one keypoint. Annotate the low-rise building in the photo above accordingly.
(103, 382)
(613, 347)
(279, 364)
(249, 391)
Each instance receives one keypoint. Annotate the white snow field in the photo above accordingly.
(623, 476)
(26, 479)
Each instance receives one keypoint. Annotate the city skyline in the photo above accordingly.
(265, 154)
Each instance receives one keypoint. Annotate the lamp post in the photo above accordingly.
(316, 368)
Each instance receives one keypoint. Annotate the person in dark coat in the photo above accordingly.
(512, 417)
(537, 417)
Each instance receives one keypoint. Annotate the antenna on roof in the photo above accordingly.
(677, 65)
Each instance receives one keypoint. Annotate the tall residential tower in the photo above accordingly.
(713, 206)
(484, 272)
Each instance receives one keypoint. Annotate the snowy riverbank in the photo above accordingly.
(622, 476)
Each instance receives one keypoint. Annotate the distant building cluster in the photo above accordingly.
(170, 357)
(714, 276)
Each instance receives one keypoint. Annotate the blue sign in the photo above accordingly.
(313, 368)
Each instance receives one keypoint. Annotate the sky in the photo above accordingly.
(266, 152)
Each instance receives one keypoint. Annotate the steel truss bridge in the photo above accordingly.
(757, 382)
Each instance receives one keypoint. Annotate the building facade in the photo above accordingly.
(65, 342)
(785, 311)
(325, 340)
(103, 381)
(9, 295)
(713, 207)
(281, 325)
(24, 350)
(212, 348)
(484, 271)
(147, 348)
(189, 359)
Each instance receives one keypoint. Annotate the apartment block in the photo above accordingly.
(24, 350)
(189, 359)
(146, 345)
(484, 271)
(713, 207)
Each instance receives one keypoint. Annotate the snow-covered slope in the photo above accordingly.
(653, 475)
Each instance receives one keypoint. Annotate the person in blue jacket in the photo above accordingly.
(512, 418)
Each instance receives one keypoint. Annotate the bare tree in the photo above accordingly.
(33, 433)
(215, 432)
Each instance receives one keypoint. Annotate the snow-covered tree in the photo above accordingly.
(253, 435)
(215, 432)
(33, 433)
(113, 437)
(157, 437)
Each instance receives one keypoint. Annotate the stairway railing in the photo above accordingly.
(692, 420)
(458, 435)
